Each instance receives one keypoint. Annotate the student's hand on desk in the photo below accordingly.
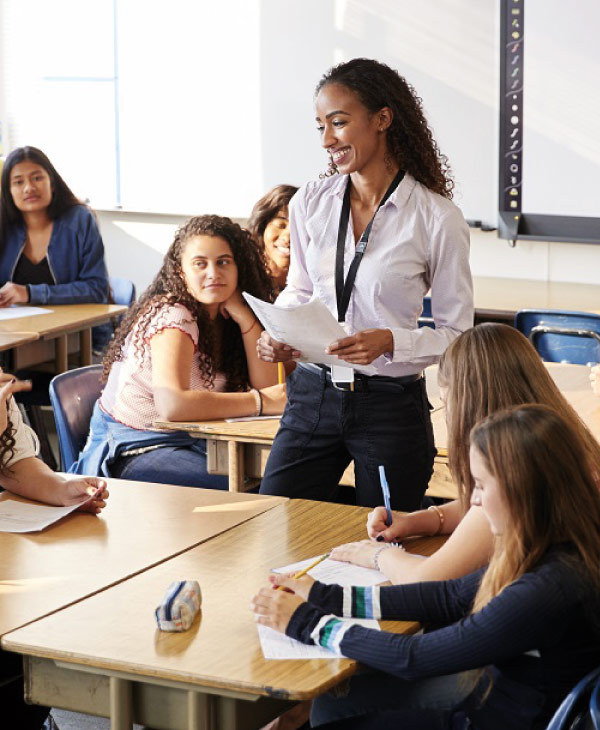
(77, 489)
(378, 530)
(300, 586)
(363, 347)
(13, 294)
(273, 398)
(270, 350)
(275, 608)
(595, 379)
(9, 385)
(358, 553)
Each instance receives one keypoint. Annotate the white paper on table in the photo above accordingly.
(279, 646)
(15, 312)
(309, 328)
(335, 571)
(18, 516)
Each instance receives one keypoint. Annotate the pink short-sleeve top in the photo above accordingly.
(128, 396)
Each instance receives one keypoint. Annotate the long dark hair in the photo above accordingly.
(169, 287)
(267, 208)
(62, 196)
(409, 139)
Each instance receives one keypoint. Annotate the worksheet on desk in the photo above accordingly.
(309, 328)
(19, 516)
(335, 571)
(16, 312)
(279, 646)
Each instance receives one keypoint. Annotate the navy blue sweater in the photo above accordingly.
(537, 638)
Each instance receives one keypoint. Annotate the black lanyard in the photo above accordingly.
(343, 289)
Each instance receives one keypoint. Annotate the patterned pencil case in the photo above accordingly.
(179, 606)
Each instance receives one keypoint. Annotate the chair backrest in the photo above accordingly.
(123, 290)
(72, 395)
(560, 336)
(579, 711)
(426, 318)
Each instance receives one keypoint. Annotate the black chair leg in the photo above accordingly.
(36, 420)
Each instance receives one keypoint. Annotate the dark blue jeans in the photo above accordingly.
(169, 465)
(323, 429)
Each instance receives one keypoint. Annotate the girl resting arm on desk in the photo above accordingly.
(185, 352)
(51, 251)
(22, 473)
(487, 368)
(527, 624)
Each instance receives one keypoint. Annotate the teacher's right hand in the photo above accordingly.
(270, 350)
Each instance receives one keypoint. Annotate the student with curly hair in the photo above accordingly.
(507, 641)
(185, 351)
(386, 200)
(269, 224)
(24, 474)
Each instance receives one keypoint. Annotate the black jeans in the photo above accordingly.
(24, 716)
(323, 429)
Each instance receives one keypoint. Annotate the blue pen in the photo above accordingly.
(386, 496)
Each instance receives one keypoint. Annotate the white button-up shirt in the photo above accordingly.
(419, 241)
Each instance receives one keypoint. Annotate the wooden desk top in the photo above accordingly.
(8, 340)
(142, 525)
(221, 649)
(64, 318)
(504, 297)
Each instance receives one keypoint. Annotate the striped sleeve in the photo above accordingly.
(348, 601)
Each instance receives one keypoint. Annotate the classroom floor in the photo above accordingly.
(75, 721)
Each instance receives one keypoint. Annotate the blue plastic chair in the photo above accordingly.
(559, 336)
(426, 318)
(122, 290)
(579, 709)
(73, 395)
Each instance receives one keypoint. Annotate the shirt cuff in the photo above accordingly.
(403, 346)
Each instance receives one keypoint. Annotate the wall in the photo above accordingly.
(135, 244)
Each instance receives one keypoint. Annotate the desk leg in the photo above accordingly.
(120, 704)
(85, 347)
(235, 452)
(200, 711)
(61, 358)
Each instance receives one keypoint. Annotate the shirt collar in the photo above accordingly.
(398, 198)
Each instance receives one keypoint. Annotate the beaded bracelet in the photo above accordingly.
(258, 400)
(440, 514)
(381, 549)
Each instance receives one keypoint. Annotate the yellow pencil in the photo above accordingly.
(304, 571)
(280, 373)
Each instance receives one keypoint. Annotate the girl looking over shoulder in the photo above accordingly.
(185, 351)
(487, 368)
(270, 227)
(527, 623)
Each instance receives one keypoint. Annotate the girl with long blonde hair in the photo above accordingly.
(527, 625)
(487, 368)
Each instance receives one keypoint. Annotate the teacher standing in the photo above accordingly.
(370, 240)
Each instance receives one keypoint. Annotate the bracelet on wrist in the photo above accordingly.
(258, 401)
(381, 549)
(441, 517)
(249, 328)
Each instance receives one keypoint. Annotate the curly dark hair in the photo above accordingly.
(267, 208)
(63, 199)
(169, 287)
(409, 138)
(7, 446)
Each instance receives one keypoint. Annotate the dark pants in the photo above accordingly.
(170, 465)
(323, 429)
